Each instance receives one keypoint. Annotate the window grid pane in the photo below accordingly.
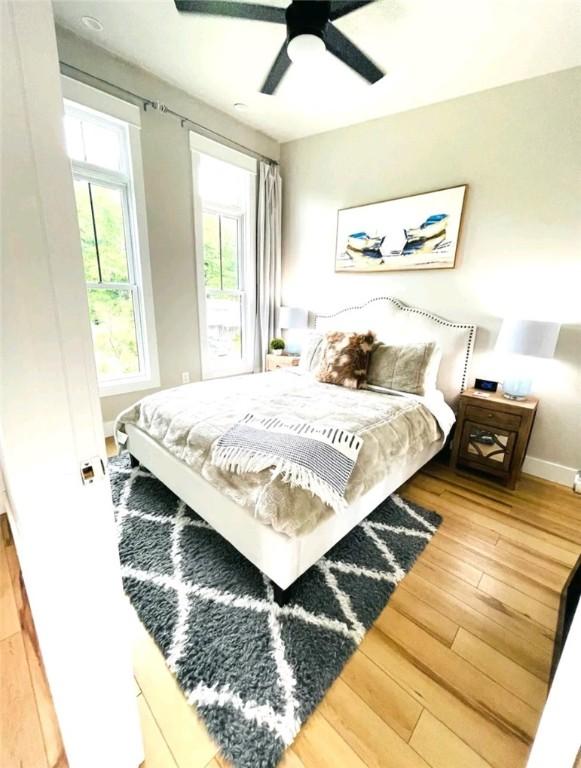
(110, 228)
(224, 300)
(113, 324)
(211, 246)
(101, 154)
(74, 138)
(87, 231)
(224, 325)
(229, 252)
(102, 145)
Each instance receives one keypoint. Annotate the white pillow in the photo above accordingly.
(311, 352)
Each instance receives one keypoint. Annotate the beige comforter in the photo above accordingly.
(188, 419)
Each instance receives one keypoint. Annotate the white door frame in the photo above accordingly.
(50, 419)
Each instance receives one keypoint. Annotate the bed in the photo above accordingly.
(284, 554)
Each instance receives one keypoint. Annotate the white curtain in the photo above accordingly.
(268, 259)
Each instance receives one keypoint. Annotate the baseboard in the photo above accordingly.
(109, 428)
(557, 473)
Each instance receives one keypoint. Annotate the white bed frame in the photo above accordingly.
(281, 558)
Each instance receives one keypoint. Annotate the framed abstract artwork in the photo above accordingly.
(415, 232)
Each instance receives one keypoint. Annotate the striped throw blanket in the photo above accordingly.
(318, 458)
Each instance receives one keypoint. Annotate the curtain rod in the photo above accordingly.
(164, 109)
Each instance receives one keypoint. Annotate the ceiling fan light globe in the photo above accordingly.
(306, 48)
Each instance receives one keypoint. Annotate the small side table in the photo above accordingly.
(281, 361)
(492, 434)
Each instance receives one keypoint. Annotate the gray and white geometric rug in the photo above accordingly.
(254, 670)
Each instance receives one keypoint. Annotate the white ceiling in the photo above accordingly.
(431, 50)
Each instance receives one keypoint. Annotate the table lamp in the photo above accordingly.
(292, 318)
(522, 339)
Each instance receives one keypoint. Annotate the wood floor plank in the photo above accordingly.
(318, 745)
(52, 739)
(21, 742)
(9, 621)
(382, 694)
(460, 677)
(483, 554)
(467, 533)
(554, 547)
(367, 734)
(541, 492)
(509, 551)
(184, 732)
(505, 641)
(157, 752)
(499, 667)
(441, 559)
(470, 532)
(289, 760)
(424, 615)
(520, 520)
(496, 610)
(556, 515)
(543, 585)
(441, 748)
(500, 747)
(526, 605)
(49, 726)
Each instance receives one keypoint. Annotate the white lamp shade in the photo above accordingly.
(528, 337)
(292, 317)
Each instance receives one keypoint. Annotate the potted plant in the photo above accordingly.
(277, 346)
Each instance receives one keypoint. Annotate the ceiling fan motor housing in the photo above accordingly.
(309, 31)
(307, 17)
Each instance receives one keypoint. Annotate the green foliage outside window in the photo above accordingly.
(220, 237)
(111, 310)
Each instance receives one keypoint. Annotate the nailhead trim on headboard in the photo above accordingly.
(416, 310)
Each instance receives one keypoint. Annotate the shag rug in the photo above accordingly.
(253, 670)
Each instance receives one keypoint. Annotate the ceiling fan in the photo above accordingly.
(309, 32)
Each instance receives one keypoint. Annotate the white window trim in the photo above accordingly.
(77, 93)
(201, 145)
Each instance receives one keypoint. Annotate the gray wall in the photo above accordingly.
(519, 150)
(168, 191)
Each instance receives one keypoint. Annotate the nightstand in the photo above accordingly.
(492, 434)
(281, 361)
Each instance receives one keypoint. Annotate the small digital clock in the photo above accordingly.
(486, 385)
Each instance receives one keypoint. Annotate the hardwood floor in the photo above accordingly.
(29, 731)
(454, 672)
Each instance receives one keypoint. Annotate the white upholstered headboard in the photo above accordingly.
(395, 323)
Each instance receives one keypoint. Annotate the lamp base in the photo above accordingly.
(516, 386)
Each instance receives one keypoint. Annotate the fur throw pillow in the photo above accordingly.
(344, 358)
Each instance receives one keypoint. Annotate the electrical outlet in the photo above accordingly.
(186, 377)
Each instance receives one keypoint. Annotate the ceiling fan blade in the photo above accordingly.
(343, 7)
(277, 71)
(252, 11)
(341, 47)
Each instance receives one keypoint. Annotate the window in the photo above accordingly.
(225, 220)
(106, 163)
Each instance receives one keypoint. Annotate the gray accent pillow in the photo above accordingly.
(409, 368)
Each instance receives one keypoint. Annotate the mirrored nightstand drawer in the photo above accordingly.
(490, 446)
